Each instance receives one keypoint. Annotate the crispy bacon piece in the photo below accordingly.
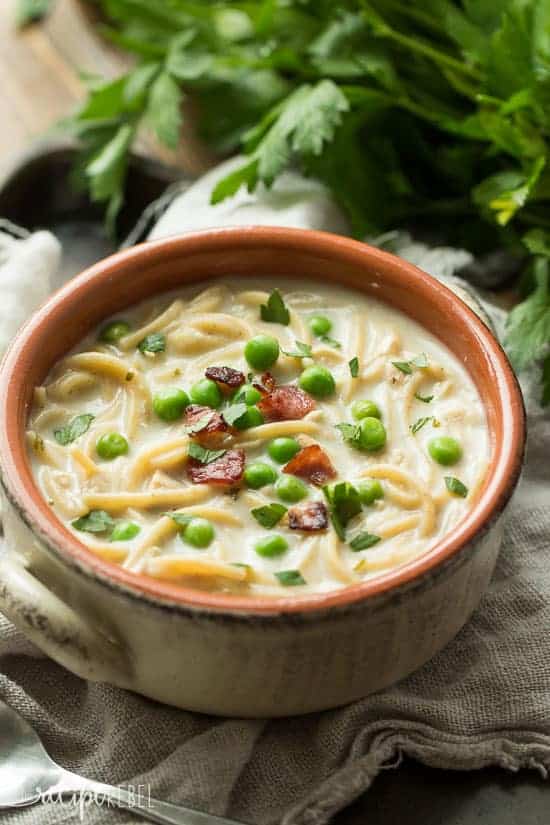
(267, 384)
(285, 403)
(312, 464)
(226, 377)
(309, 517)
(226, 470)
(213, 431)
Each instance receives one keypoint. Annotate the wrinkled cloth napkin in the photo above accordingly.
(484, 700)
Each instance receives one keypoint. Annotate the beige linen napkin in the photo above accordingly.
(484, 700)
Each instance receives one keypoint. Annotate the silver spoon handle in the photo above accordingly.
(138, 802)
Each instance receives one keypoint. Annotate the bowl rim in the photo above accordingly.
(23, 493)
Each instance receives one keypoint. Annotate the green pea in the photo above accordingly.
(206, 393)
(271, 546)
(372, 434)
(258, 474)
(261, 352)
(369, 491)
(320, 325)
(365, 409)
(290, 489)
(113, 331)
(251, 418)
(124, 531)
(170, 404)
(111, 445)
(248, 394)
(317, 381)
(283, 449)
(445, 450)
(199, 532)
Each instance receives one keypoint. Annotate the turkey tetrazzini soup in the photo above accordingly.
(298, 437)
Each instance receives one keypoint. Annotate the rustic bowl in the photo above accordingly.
(214, 652)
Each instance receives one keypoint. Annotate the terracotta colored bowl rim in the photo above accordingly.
(21, 490)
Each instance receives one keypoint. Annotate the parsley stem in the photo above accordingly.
(419, 46)
(414, 13)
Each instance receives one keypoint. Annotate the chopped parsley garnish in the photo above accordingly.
(354, 367)
(420, 362)
(344, 504)
(363, 541)
(456, 487)
(421, 422)
(232, 413)
(331, 342)
(290, 578)
(351, 433)
(301, 350)
(181, 519)
(31, 11)
(155, 342)
(269, 515)
(424, 398)
(202, 454)
(96, 521)
(275, 311)
(200, 424)
(75, 428)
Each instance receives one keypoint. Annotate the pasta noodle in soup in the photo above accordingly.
(261, 441)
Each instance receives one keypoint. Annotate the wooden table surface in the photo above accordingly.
(40, 81)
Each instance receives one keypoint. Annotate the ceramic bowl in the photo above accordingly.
(214, 652)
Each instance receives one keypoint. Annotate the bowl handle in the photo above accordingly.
(57, 629)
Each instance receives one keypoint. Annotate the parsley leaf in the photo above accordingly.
(344, 503)
(332, 342)
(269, 515)
(301, 351)
(537, 242)
(203, 455)
(106, 171)
(30, 11)
(290, 578)
(351, 433)
(354, 367)
(420, 362)
(181, 519)
(456, 487)
(424, 398)
(164, 110)
(75, 428)
(306, 120)
(528, 327)
(96, 521)
(363, 541)
(154, 342)
(421, 422)
(275, 310)
(232, 413)
(246, 175)
(403, 366)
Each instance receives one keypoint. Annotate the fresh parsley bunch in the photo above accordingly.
(434, 115)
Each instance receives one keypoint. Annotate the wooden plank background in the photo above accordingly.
(40, 81)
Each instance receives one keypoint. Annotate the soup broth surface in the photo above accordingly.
(128, 480)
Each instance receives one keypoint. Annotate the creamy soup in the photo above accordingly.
(290, 439)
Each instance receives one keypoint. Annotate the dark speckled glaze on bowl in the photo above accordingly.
(214, 652)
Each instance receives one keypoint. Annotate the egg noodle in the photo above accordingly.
(122, 505)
